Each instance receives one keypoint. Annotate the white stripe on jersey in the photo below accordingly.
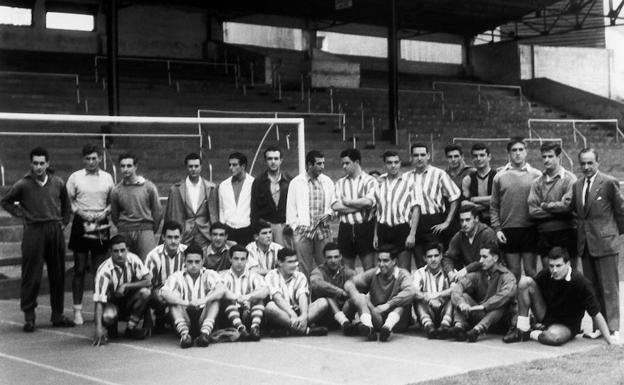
(110, 276)
(427, 282)
(257, 258)
(182, 284)
(162, 266)
(395, 199)
(433, 185)
(364, 186)
(247, 283)
(290, 289)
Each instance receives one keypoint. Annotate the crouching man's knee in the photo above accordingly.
(526, 283)
(553, 339)
(109, 316)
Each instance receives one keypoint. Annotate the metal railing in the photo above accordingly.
(2, 173)
(75, 77)
(575, 130)
(168, 63)
(479, 86)
(563, 151)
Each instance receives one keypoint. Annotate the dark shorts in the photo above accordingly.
(562, 238)
(393, 235)
(424, 235)
(242, 236)
(357, 239)
(125, 304)
(78, 242)
(520, 240)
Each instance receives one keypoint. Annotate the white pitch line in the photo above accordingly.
(368, 355)
(55, 369)
(189, 357)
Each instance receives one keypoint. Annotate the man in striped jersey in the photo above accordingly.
(396, 203)
(436, 188)
(193, 295)
(433, 292)
(509, 210)
(263, 251)
(122, 288)
(382, 296)
(289, 309)
(327, 281)
(246, 294)
(163, 261)
(355, 199)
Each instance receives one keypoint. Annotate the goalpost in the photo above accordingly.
(196, 131)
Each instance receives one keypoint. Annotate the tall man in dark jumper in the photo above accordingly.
(41, 199)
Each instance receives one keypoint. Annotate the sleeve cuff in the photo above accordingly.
(100, 298)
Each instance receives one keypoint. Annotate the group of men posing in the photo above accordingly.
(256, 254)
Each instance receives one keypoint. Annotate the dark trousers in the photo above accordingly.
(602, 272)
(43, 242)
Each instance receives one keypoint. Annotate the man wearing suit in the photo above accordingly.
(599, 205)
(193, 203)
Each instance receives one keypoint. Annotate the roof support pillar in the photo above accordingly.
(393, 75)
(467, 56)
(112, 53)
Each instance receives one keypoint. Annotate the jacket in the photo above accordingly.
(262, 204)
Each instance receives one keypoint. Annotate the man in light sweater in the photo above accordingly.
(509, 210)
(135, 207)
(235, 200)
(550, 204)
(41, 199)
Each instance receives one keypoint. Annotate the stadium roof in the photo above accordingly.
(459, 17)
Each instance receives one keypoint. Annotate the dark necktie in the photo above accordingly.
(586, 194)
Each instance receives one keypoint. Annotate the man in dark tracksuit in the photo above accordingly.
(41, 199)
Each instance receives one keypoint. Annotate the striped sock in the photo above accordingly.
(447, 321)
(234, 316)
(207, 326)
(133, 322)
(392, 320)
(257, 311)
(182, 328)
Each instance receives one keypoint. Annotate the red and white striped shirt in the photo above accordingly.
(291, 289)
(260, 259)
(110, 276)
(247, 283)
(395, 199)
(161, 265)
(434, 185)
(427, 282)
(362, 186)
(182, 284)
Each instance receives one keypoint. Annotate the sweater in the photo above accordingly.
(558, 192)
(324, 284)
(462, 253)
(493, 289)
(135, 206)
(396, 291)
(510, 193)
(38, 204)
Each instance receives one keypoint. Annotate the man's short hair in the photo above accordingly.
(171, 225)
(419, 145)
(493, 250)
(559, 252)
(192, 156)
(330, 246)
(479, 147)
(389, 154)
(551, 146)
(353, 154)
(453, 147)
(260, 225)
(219, 225)
(388, 248)
(586, 150)
(272, 149)
(472, 209)
(116, 239)
(284, 253)
(238, 248)
(433, 245)
(39, 151)
(89, 148)
(242, 159)
(128, 155)
(515, 140)
(193, 248)
(311, 156)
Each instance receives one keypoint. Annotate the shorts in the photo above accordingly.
(565, 238)
(520, 240)
(357, 239)
(393, 235)
(78, 243)
(424, 235)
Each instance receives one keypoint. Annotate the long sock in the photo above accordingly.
(341, 318)
(523, 323)
(133, 322)
(207, 326)
(181, 327)
(234, 316)
(367, 320)
(535, 335)
(392, 320)
(257, 311)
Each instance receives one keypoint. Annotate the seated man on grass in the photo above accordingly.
(122, 290)
(558, 297)
(432, 301)
(263, 251)
(483, 298)
(327, 281)
(246, 292)
(289, 311)
(193, 295)
(382, 296)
